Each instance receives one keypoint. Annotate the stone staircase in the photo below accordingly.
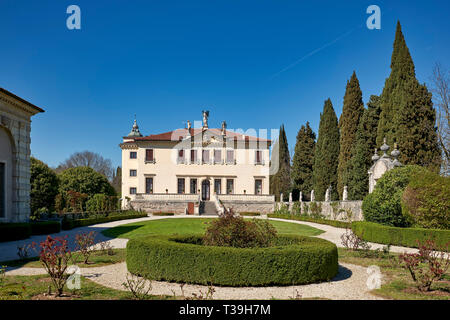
(208, 208)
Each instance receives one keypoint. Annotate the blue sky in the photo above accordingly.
(166, 61)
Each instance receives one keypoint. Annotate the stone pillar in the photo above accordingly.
(290, 197)
(281, 197)
(312, 196)
(327, 195)
(345, 194)
(300, 197)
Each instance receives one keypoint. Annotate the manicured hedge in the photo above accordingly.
(251, 214)
(163, 213)
(14, 231)
(405, 237)
(70, 224)
(295, 260)
(45, 227)
(334, 223)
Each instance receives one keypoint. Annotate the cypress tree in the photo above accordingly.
(407, 113)
(303, 161)
(280, 182)
(358, 183)
(348, 124)
(326, 154)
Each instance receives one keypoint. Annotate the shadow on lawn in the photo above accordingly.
(118, 231)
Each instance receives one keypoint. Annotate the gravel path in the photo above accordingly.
(349, 284)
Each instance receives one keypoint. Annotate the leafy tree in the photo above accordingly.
(85, 180)
(358, 183)
(44, 186)
(280, 182)
(407, 113)
(348, 124)
(326, 154)
(88, 159)
(384, 204)
(303, 161)
(426, 201)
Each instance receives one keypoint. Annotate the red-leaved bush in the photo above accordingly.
(428, 265)
(55, 256)
(85, 243)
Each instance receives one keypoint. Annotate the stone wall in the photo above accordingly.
(16, 121)
(247, 206)
(177, 207)
(332, 210)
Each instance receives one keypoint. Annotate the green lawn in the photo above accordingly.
(97, 259)
(193, 226)
(33, 287)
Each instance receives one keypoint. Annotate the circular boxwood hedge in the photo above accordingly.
(293, 260)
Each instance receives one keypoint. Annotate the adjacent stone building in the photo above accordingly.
(15, 126)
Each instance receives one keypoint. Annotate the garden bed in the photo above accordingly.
(293, 260)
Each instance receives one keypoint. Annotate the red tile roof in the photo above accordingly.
(178, 134)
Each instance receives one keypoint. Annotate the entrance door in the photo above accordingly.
(205, 190)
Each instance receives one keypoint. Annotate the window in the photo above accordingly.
(133, 173)
(133, 155)
(193, 156)
(149, 155)
(180, 185)
(217, 186)
(230, 156)
(230, 186)
(132, 190)
(193, 186)
(181, 156)
(217, 156)
(205, 156)
(258, 157)
(258, 186)
(2, 190)
(148, 185)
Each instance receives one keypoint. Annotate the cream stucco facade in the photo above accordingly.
(194, 165)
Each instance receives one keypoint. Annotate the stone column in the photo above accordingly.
(312, 196)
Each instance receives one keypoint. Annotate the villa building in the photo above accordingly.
(196, 170)
(15, 127)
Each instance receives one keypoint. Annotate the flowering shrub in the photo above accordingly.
(55, 256)
(85, 243)
(428, 265)
(233, 231)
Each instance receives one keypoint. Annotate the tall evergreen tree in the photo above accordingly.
(326, 154)
(303, 161)
(280, 182)
(358, 183)
(348, 124)
(407, 113)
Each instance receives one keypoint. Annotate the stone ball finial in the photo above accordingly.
(395, 153)
(375, 156)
